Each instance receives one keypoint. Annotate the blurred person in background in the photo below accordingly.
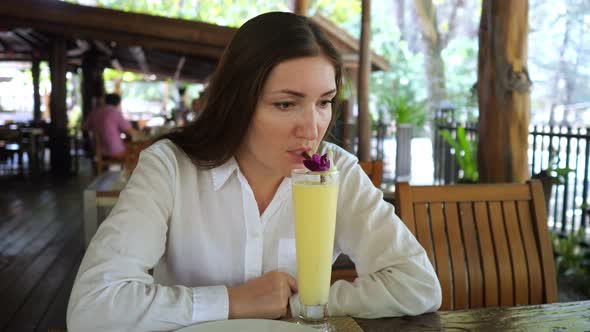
(107, 124)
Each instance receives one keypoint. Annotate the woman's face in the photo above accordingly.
(292, 115)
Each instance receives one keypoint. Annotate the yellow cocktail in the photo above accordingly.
(315, 197)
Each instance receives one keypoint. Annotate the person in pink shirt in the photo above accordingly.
(107, 123)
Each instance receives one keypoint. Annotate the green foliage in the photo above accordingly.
(234, 12)
(396, 89)
(465, 153)
(126, 76)
(345, 13)
(571, 258)
(405, 110)
(223, 12)
(460, 58)
(75, 119)
(557, 174)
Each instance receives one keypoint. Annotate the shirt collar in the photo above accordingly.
(222, 173)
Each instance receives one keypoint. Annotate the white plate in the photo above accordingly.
(247, 325)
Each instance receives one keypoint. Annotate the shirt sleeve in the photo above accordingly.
(124, 124)
(113, 290)
(396, 277)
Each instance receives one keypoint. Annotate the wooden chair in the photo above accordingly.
(103, 161)
(489, 244)
(132, 151)
(374, 170)
(11, 144)
(343, 268)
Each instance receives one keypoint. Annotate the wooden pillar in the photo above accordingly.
(92, 88)
(503, 89)
(35, 71)
(364, 118)
(59, 139)
(92, 81)
(301, 7)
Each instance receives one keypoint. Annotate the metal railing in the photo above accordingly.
(551, 148)
(556, 147)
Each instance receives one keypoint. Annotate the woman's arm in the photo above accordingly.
(395, 276)
(113, 289)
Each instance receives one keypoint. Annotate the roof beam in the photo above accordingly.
(15, 35)
(185, 37)
(139, 56)
(109, 52)
(24, 34)
(179, 67)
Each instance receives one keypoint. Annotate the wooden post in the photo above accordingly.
(35, 71)
(364, 122)
(301, 7)
(92, 87)
(92, 81)
(59, 144)
(503, 89)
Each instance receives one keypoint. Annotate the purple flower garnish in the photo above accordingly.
(317, 163)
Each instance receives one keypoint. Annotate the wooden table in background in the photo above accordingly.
(568, 316)
(102, 192)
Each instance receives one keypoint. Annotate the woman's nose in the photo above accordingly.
(308, 124)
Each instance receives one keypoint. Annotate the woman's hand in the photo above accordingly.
(264, 297)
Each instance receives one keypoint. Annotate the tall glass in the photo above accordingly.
(315, 197)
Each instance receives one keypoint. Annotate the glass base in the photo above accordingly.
(314, 316)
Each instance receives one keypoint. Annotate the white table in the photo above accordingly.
(103, 192)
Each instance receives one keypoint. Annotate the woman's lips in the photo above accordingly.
(296, 156)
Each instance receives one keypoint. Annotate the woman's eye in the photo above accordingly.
(284, 105)
(325, 103)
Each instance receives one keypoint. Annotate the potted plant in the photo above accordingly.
(465, 153)
(552, 175)
(408, 114)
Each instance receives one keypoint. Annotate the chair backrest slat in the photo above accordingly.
(516, 253)
(423, 233)
(542, 236)
(484, 234)
(472, 255)
(502, 253)
(470, 193)
(489, 244)
(441, 252)
(531, 250)
(459, 270)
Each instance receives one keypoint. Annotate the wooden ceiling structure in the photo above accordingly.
(71, 36)
(135, 42)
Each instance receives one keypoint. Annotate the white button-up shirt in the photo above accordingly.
(200, 231)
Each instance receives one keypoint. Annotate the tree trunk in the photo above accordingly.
(503, 88)
(435, 70)
(400, 12)
(364, 123)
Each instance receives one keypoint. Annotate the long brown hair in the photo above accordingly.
(233, 92)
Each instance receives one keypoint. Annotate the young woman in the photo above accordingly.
(209, 208)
